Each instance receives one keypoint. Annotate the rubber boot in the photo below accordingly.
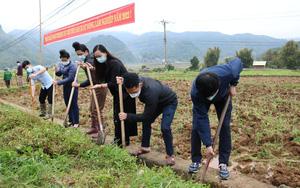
(43, 110)
(94, 128)
(49, 112)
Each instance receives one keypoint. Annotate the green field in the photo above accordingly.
(181, 74)
(190, 75)
(270, 72)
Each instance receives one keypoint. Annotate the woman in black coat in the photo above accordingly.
(108, 68)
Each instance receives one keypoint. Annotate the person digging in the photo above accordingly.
(212, 86)
(87, 61)
(39, 73)
(158, 99)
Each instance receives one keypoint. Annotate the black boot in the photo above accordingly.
(43, 110)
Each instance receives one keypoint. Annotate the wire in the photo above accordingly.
(84, 3)
(23, 36)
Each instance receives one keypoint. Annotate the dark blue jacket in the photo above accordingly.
(229, 75)
(68, 72)
(155, 96)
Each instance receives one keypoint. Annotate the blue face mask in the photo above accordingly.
(101, 59)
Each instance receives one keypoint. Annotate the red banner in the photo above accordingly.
(119, 16)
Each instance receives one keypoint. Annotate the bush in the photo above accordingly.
(159, 69)
(169, 67)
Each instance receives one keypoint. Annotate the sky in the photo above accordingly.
(275, 18)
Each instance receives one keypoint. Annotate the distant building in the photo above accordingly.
(259, 64)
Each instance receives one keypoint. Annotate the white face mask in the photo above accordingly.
(81, 57)
(213, 96)
(101, 59)
(134, 95)
(65, 62)
(29, 70)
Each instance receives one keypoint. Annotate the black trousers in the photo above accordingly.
(46, 93)
(7, 83)
(167, 112)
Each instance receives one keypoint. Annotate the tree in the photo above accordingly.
(194, 63)
(212, 56)
(245, 55)
(290, 54)
(272, 58)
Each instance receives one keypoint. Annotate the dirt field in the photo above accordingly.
(265, 125)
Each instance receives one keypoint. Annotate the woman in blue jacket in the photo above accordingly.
(67, 70)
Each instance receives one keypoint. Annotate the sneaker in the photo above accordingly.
(68, 124)
(223, 173)
(47, 116)
(42, 115)
(194, 167)
(75, 126)
(141, 151)
(170, 160)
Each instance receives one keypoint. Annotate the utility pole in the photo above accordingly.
(41, 41)
(164, 22)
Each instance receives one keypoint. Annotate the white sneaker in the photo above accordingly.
(75, 126)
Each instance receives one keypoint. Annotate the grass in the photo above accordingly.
(270, 72)
(36, 153)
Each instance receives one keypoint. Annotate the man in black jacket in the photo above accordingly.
(158, 99)
(87, 61)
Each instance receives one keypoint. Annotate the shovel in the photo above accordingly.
(101, 134)
(122, 110)
(32, 92)
(216, 136)
(53, 98)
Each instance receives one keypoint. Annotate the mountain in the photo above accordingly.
(148, 47)
(27, 49)
(183, 46)
(115, 46)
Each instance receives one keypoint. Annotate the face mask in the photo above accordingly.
(213, 96)
(29, 70)
(134, 95)
(65, 62)
(81, 57)
(101, 59)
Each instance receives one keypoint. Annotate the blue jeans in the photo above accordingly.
(167, 118)
(74, 110)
